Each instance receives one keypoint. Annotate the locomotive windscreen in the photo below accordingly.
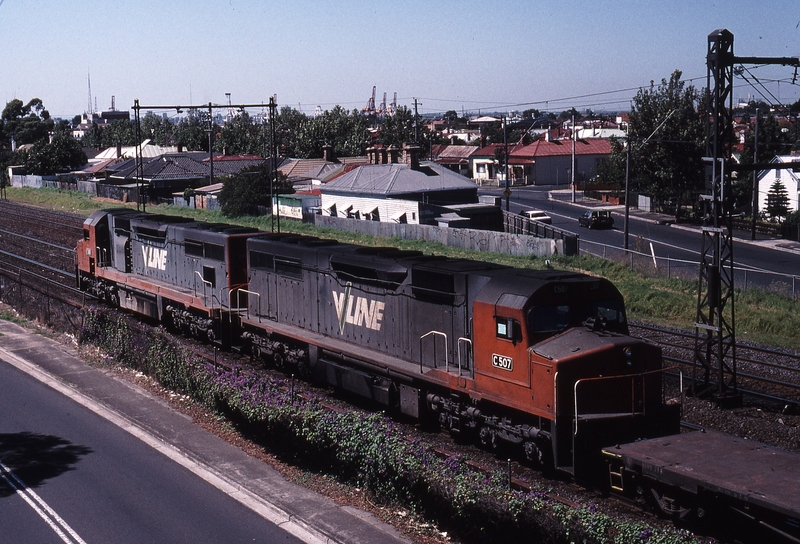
(557, 317)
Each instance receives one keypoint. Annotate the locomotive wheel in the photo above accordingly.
(533, 453)
(256, 352)
(279, 360)
(487, 438)
(211, 335)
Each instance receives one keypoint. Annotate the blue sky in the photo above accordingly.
(462, 55)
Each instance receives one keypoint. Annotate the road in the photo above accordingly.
(69, 475)
(756, 264)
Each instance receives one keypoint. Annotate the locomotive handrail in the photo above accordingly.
(105, 262)
(632, 378)
(238, 308)
(446, 357)
(205, 282)
(467, 341)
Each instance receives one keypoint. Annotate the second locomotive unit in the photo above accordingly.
(538, 360)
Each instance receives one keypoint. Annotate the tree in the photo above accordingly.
(242, 135)
(402, 128)
(26, 123)
(777, 200)
(611, 169)
(242, 192)
(772, 140)
(190, 133)
(158, 129)
(665, 135)
(62, 154)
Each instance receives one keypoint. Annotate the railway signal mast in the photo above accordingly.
(715, 338)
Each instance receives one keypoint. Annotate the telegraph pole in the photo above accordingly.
(141, 193)
(273, 106)
(416, 123)
(572, 175)
(754, 203)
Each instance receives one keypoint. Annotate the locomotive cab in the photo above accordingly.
(559, 351)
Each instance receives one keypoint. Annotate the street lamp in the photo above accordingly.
(628, 170)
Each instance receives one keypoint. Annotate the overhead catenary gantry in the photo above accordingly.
(715, 337)
(207, 111)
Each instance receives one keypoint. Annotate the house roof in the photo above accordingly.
(782, 159)
(543, 148)
(148, 150)
(397, 179)
(300, 168)
(452, 153)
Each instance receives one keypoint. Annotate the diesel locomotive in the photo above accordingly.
(540, 361)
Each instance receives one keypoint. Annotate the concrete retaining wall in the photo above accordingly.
(471, 239)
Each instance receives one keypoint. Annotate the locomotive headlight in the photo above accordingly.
(628, 354)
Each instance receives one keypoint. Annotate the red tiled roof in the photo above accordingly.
(542, 148)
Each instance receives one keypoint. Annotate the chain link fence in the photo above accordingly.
(641, 259)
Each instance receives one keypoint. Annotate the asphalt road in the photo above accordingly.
(69, 475)
(759, 263)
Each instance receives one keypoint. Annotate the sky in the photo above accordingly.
(463, 55)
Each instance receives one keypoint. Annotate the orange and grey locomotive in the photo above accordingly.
(537, 360)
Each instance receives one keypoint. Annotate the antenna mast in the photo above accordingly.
(89, 110)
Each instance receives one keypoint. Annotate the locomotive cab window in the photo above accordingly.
(508, 329)
(610, 311)
(549, 318)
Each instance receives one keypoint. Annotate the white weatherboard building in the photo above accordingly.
(403, 192)
(789, 179)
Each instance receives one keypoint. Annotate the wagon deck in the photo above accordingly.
(748, 472)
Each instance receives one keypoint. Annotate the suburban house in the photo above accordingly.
(400, 188)
(308, 174)
(789, 179)
(454, 157)
(168, 173)
(550, 162)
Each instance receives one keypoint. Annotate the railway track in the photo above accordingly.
(765, 373)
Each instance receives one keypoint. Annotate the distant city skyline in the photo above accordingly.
(450, 55)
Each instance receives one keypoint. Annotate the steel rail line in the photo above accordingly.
(38, 241)
(38, 264)
(69, 222)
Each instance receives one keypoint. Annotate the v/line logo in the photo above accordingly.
(154, 257)
(359, 311)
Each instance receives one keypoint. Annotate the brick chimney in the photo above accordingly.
(411, 155)
(394, 154)
(327, 153)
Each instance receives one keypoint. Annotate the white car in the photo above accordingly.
(536, 215)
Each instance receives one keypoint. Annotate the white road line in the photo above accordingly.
(40, 507)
